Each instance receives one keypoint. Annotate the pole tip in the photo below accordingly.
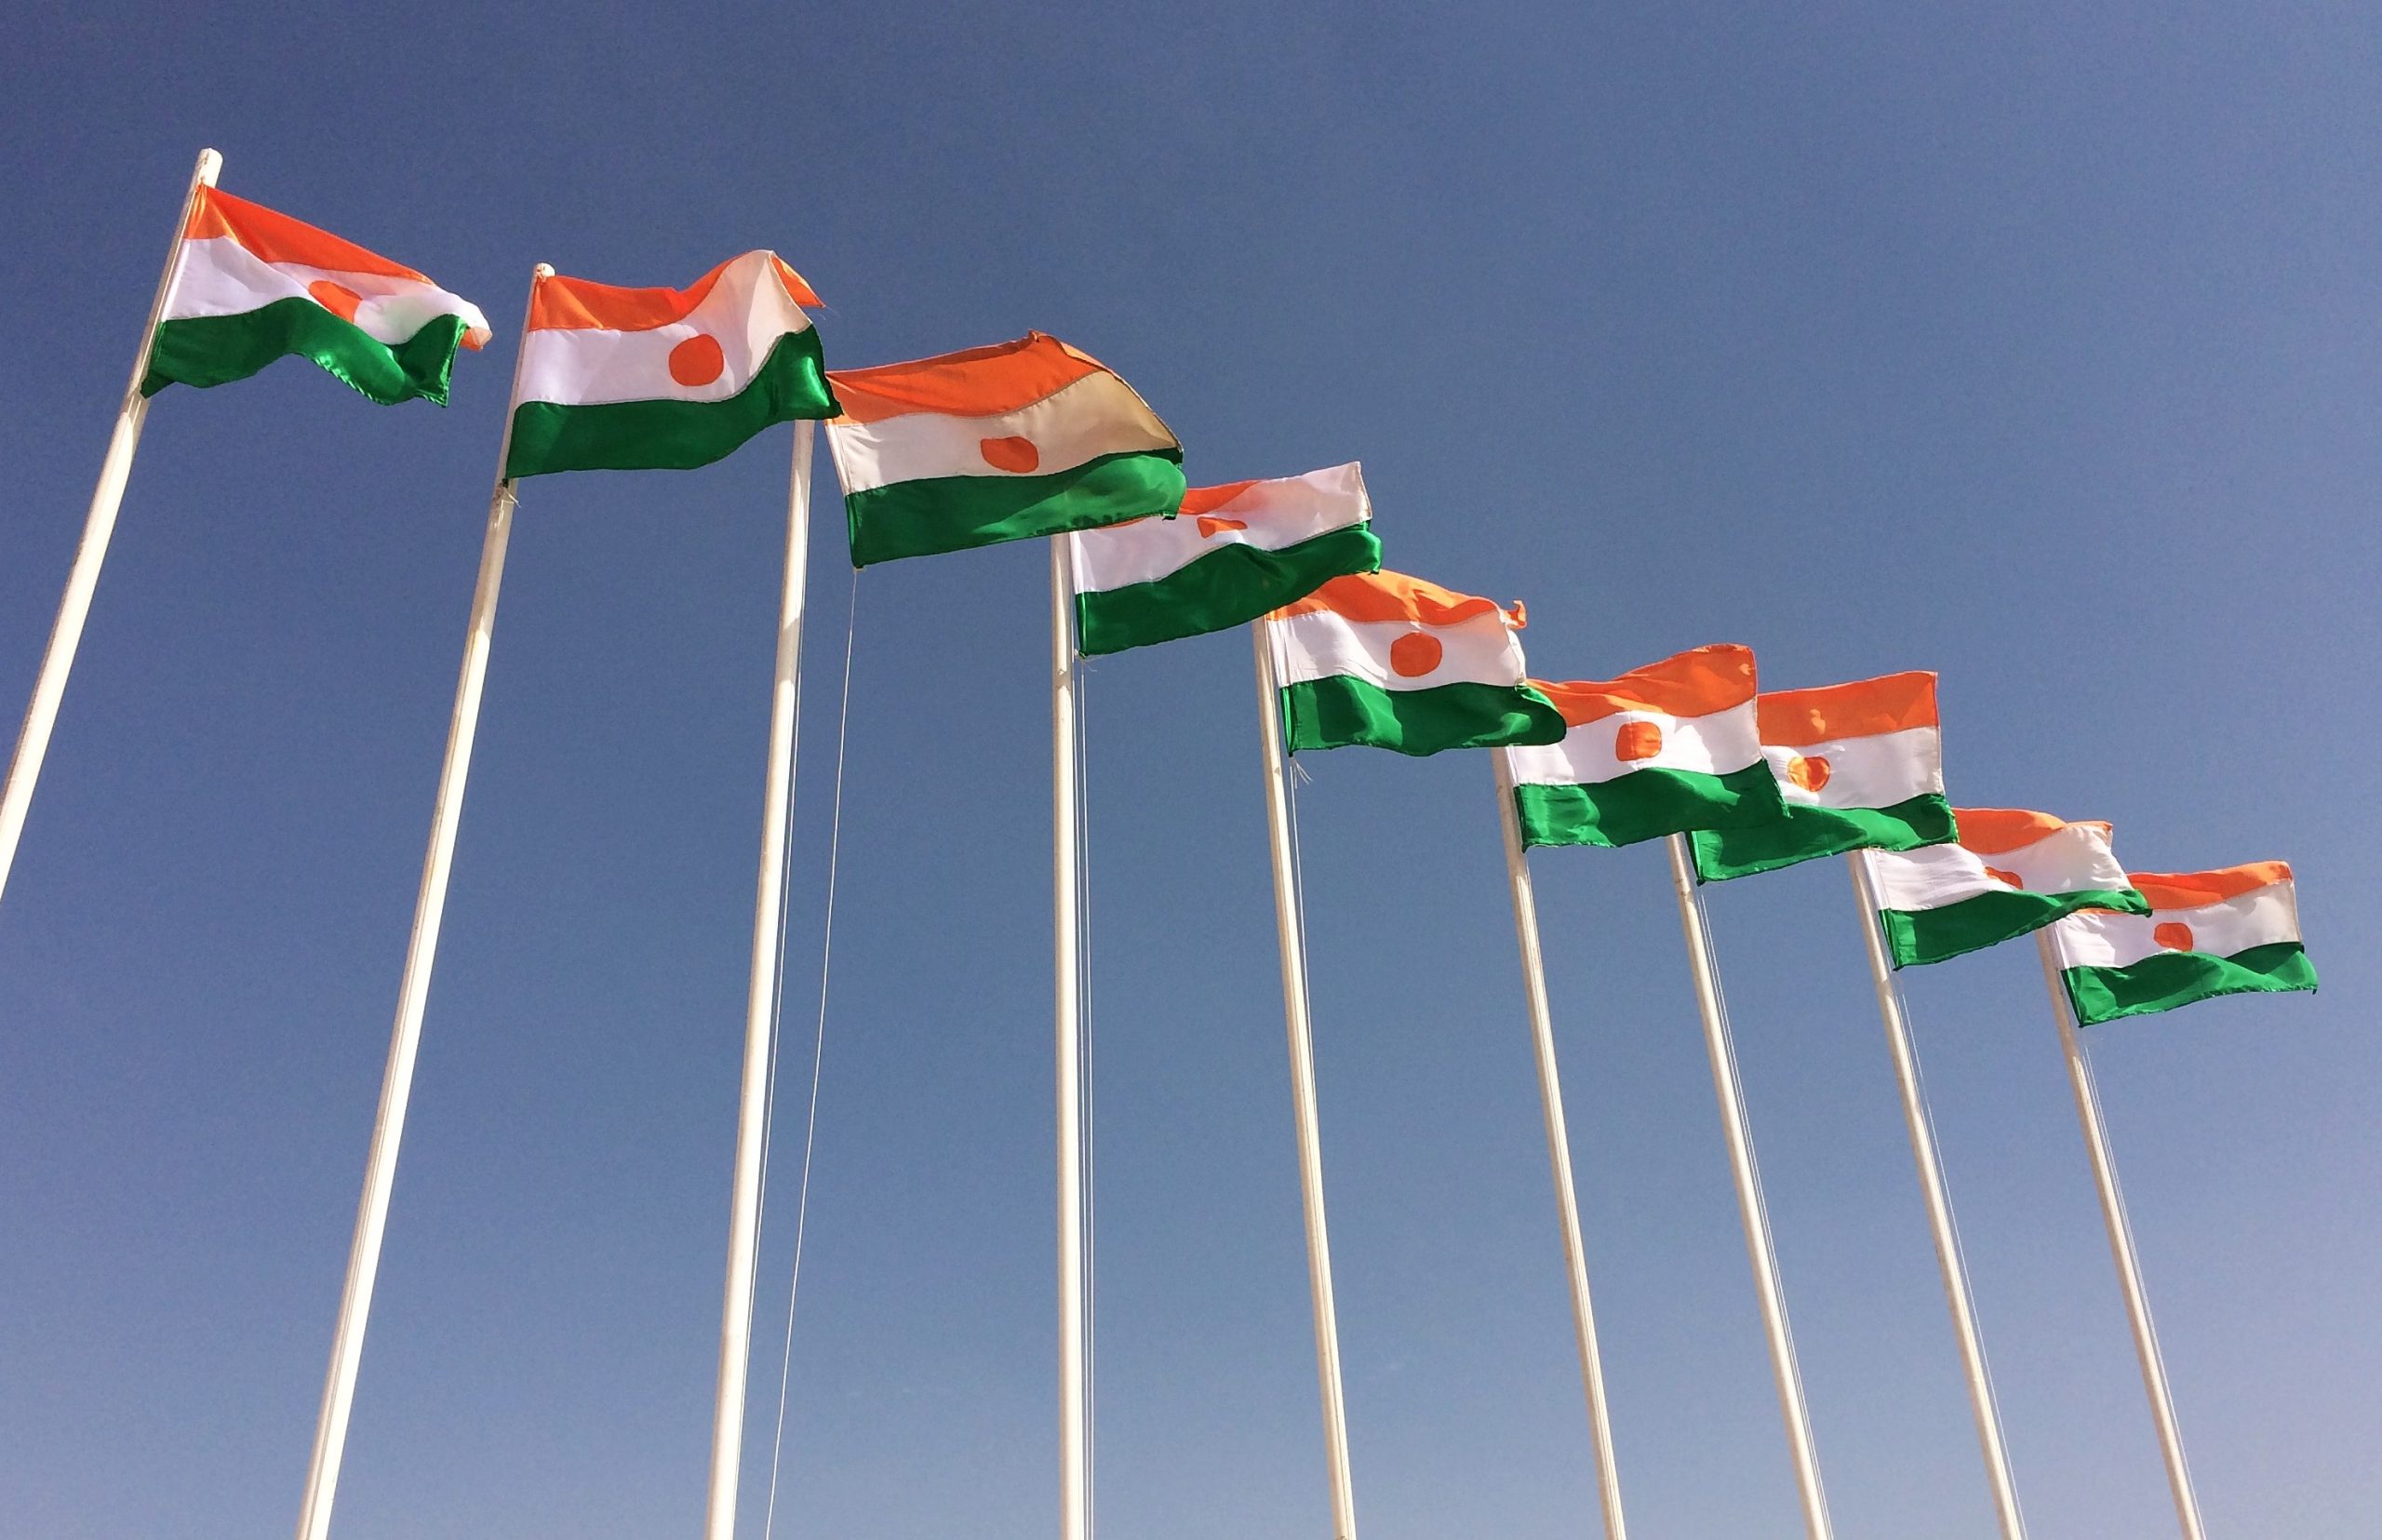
(544, 270)
(210, 163)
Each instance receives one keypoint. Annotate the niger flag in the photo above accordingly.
(619, 379)
(1000, 443)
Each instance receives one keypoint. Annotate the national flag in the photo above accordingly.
(2008, 873)
(1664, 749)
(1007, 442)
(250, 285)
(1391, 661)
(2208, 933)
(1859, 765)
(616, 379)
(1236, 552)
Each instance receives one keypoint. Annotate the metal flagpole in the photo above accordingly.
(1559, 1150)
(413, 992)
(1295, 1011)
(760, 1011)
(2137, 1302)
(82, 578)
(1939, 1208)
(1075, 1441)
(1739, 1137)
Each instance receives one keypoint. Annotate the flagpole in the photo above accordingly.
(1559, 1150)
(760, 1011)
(1302, 1040)
(2137, 1300)
(413, 992)
(99, 526)
(1074, 1437)
(1939, 1208)
(1739, 1138)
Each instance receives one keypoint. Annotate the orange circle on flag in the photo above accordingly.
(1811, 774)
(697, 361)
(1636, 741)
(340, 299)
(1013, 454)
(1414, 654)
(2175, 936)
(2008, 879)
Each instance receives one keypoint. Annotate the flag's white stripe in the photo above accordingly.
(1875, 772)
(2098, 939)
(1320, 645)
(1278, 514)
(2073, 860)
(746, 312)
(1715, 744)
(1096, 415)
(219, 276)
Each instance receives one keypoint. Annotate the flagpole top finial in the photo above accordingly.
(544, 270)
(211, 165)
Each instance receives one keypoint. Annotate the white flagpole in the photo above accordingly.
(1074, 1440)
(2137, 1301)
(82, 578)
(1772, 1298)
(413, 993)
(760, 1011)
(1939, 1208)
(1294, 1011)
(1559, 1150)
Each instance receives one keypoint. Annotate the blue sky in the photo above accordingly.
(2037, 347)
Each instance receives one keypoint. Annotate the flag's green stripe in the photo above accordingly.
(934, 515)
(1342, 712)
(1228, 586)
(1931, 935)
(2178, 978)
(1807, 832)
(1648, 804)
(672, 435)
(216, 350)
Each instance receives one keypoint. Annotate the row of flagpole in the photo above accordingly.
(1070, 1037)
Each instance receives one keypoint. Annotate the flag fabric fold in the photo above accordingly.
(1008, 442)
(615, 379)
(1664, 749)
(1385, 661)
(2231, 932)
(1236, 551)
(250, 285)
(1859, 765)
(2009, 872)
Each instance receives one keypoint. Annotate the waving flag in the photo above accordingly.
(1662, 750)
(1391, 661)
(2008, 873)
(1007, 442)
(250, 285)
(1859, 765)
(2208, 933)
(1236, 552)
(663, 379)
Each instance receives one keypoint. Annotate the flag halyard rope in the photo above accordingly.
(818, 1058)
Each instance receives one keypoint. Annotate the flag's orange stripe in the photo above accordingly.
(560, 303)
(2192, 890)
(1991, 831)
(1696, 683)
(1791, 719)
(1395, 596)
(272, 238)
(1207, 500)
(977, 382)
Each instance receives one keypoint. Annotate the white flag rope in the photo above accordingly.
(818, 1059)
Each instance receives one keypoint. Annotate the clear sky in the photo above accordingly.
(2038, 347)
